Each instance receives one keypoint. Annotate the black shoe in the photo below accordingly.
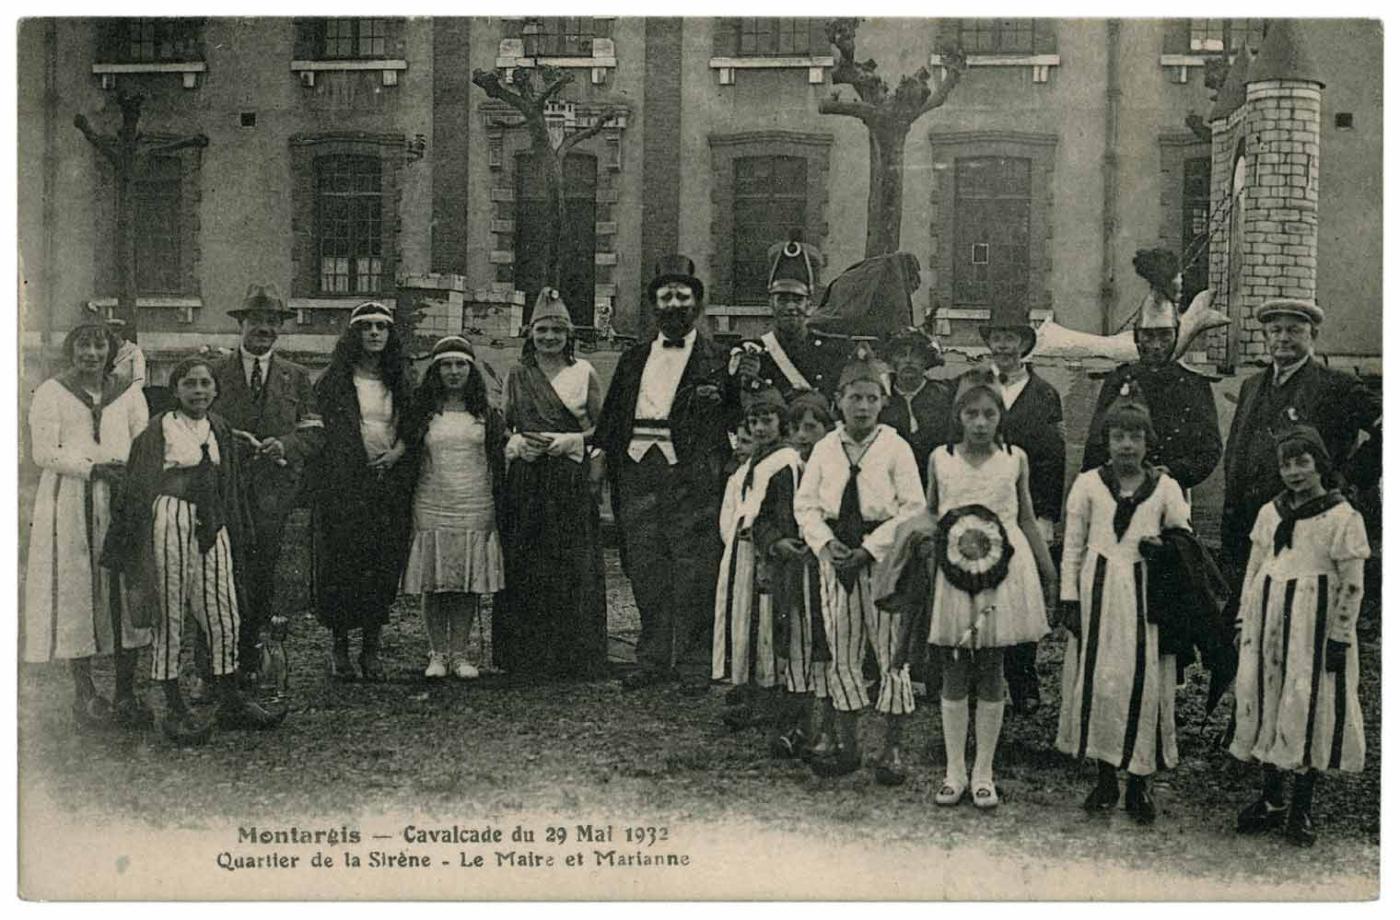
(737, 718)
(239, 712)
(824, 745)
(341, 668)
(92, 713)
(789, 745)
(186, 730)
(1261, 815)
(131, 712)
(1104, 795)
(890, 771)
(1300, 830)
(370, 668)
(646, 677)
(1140, 803)
(843, 762)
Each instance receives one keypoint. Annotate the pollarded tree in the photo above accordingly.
(888, 115)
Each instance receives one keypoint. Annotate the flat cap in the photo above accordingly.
(1303, 309)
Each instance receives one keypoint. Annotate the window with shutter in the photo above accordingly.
(770, 200)
(157, 214)
(349, 224)
(991, 230)
(533, 216)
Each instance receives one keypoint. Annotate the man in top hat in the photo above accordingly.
(1180, 400)
(664, 429)
(269, 403)
(1293, 389)
(788, 357)
(1035, 423)
(919, 409)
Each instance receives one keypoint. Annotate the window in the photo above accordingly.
(770, 201)
(150, 41)
(775, 37)
(349, 205)
(561, 36)
(998, 36)
(1195, 227)
(1226, 34)
(991, 232)
(577, 236)
(354, 38)
(156, 220)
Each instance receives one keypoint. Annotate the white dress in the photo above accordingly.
(1118, 695)
(1018, 613)
(1289, 711)
(67, 596)
(376, 414)
(455, 543)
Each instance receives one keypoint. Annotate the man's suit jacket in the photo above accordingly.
(699, 428)
(285, 410)
(1035, 423)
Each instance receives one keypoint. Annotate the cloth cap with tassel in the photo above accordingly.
(549, 305)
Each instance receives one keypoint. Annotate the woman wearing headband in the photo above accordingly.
(456, 447)
(554, 616)
(360, 487)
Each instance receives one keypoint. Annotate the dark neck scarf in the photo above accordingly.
(759, 454)
(1289, 514)
(111, 389)
(1127, 505)
(850, 523)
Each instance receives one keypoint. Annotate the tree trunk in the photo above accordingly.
(126, 253)
(554, 163)
(885, 211)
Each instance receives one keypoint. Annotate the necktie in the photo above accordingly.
(255, 383)
(206, 501)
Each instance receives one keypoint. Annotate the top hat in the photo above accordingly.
(1012, 317)
(675, 268)
(1303, 309)
(794, 267)
(261, 298)
(549, 305)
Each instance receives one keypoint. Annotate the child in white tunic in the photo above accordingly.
(860, 484)
(1296, 702)
(1117, 692)
(743, 646)
(973, 625)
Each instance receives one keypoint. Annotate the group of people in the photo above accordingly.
(878, 516)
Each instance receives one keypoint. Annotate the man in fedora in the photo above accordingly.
(664, 428)
(1293, 389)
(1035, 423)
(789, 357)
(269, 403)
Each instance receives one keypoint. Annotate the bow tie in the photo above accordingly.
(1003, 378)
(672, 343)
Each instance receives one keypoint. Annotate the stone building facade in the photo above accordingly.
(351, 158)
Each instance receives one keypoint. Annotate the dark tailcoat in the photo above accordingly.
(1339, 405)
(1035, 423)
(1183, 418)
(933, 410)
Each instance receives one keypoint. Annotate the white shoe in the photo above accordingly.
(437, 666)
(465, 670)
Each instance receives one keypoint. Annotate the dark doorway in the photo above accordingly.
(577, 237)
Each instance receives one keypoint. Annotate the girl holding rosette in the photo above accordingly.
(986, 595)
(1118, 689)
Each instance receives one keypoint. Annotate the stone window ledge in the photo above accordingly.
(1038, 314)
(815, 65)
(510, 54)
(306, 306)
(1039, 64)
(388, 68)
(189, 71)
(107, 306)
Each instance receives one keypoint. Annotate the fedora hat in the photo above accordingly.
(261, 298)
(675, 268)
(1012, 317)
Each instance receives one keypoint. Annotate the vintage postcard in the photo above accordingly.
(534, 457)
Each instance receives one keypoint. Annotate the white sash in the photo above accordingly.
(785, 365)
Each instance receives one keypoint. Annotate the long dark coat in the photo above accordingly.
(1183, 418)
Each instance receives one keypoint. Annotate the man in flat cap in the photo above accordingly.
(268, 401)
(789, 357)
(1294, 388)
(664, 429)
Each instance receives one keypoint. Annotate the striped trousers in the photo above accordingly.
(850, 619)
(801, 672)
(188, 580)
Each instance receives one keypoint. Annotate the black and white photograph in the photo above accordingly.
(698, 457)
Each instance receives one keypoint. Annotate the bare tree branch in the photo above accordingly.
(837, 106)
(199, 140)
(940, 93)
(593, 130)
(490, 81)
(105, 145)
(563, 80)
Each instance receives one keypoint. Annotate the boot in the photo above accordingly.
(889, 769)
(1104, 795)
(791, 736)
(371, 669)
(845, 759)
(1268, 811)
(824, 740)
(237, 711)
(1300, 823)
(179, 724)
(1140, 803)
(341, 668)
(128, 709)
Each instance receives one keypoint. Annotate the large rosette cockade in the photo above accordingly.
(972, 548)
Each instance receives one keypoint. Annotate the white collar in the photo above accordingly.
(1282, 374)
(894, 388)
(249, 357)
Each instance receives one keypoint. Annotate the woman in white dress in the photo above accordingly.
(81, 426)
(455, 442)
